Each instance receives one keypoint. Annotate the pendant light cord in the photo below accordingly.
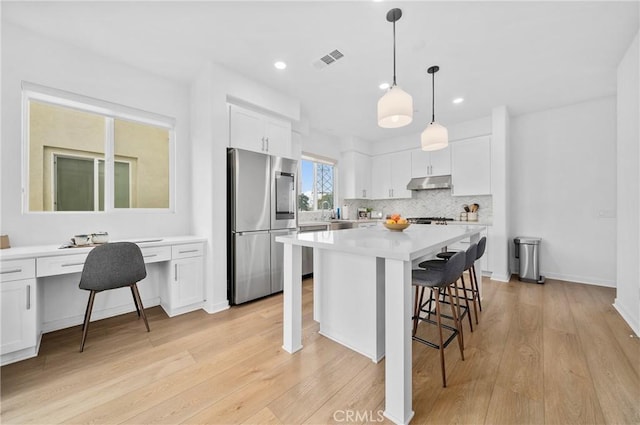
(394, 53)
(433, 98)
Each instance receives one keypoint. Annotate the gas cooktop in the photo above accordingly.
(429, 220)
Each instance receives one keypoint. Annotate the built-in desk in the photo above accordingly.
(39, 289)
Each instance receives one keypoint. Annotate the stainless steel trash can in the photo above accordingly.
(528, 253)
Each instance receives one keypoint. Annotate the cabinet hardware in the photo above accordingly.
(11, 271)
(28, 297)
(72, 264)
(263, 145)
(187, 251)
(150, 255)
(267, 139)
(175, 273)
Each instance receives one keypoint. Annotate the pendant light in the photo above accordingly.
(395, 108)
(435, 136)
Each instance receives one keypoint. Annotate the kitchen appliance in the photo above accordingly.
(429, 220)
(428, 183)
(262, 204)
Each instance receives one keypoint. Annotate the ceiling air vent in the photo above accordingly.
(328, 59)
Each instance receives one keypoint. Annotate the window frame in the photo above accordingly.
(322, 160)
(110, 112)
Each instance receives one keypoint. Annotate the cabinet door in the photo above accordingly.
(381, 177)
(348, 175)
(246, 129)
(400, 174)
(440, 162)
(18, 315)
(471, 167)
(187, 285)
(278, 137)
(363, 175)
(420, 163)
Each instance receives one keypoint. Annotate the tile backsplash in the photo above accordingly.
(426, 203)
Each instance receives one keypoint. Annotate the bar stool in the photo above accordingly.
(470, 257)
(482, 245)
(438, 281)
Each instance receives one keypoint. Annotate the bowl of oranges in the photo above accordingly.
(396, 223)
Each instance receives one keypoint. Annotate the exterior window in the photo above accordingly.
(87, 155)
(317, 184)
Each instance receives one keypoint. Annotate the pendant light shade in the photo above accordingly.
(435, 136)
(395, 108)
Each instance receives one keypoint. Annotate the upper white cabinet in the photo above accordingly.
(257, 132)
(355, 175)
(471, 166)
(434, 163)
(390, 174)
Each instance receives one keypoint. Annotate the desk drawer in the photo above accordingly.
(17, 269)
(63, 264)
(154, 254)
(187, 250)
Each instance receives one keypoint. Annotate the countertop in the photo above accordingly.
(414, 242)
(316, 222)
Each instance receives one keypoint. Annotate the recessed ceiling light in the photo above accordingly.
(384, 86)
(458, 100)
(280, 65)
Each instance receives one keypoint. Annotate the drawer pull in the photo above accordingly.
(188, 251)
(73, 264)
(28, 297)
(150, 255)
(175, 273)
(11, 271)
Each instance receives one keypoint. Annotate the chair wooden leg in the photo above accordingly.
(477, 288)
(87, 319)
(135, 301)
(457, 322)
(441, 345)
(466, 301)
(138, 300)
(474, 293)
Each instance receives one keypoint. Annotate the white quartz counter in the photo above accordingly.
(414, 242)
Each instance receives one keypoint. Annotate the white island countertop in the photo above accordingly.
(414, 242)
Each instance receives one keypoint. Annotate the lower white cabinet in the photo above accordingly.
(18, 313)
(185, 291)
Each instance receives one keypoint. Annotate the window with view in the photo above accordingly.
(317, 184)
(87, 155)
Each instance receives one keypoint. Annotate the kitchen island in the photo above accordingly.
(363, 292)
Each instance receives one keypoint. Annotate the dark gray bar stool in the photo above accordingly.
(470, 257)
(438, 281)
(110, 266)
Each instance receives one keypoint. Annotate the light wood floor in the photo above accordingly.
(543, 354)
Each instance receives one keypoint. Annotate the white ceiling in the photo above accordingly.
(527, 55)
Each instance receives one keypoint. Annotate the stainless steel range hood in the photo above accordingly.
(427, 183)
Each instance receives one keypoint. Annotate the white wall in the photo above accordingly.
(562, 171)
(27, 56)
(211, 90)
(321, 144)
(628, 154)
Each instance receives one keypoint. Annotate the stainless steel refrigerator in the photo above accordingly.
(262, 204)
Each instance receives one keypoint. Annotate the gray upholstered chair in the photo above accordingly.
(440, 280)
(470, 258)
(110, 266)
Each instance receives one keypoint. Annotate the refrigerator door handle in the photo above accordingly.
(258, 232)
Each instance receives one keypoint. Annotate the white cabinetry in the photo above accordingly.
(185, 291)
(256, 132)
(471, 167)
(433, 163)
(355, 175)
(18, 306)
(390, 174)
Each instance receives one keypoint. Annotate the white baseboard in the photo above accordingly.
(68, 322)
(216, 308)
(633, 322)
(588, 280)
(500, 277)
